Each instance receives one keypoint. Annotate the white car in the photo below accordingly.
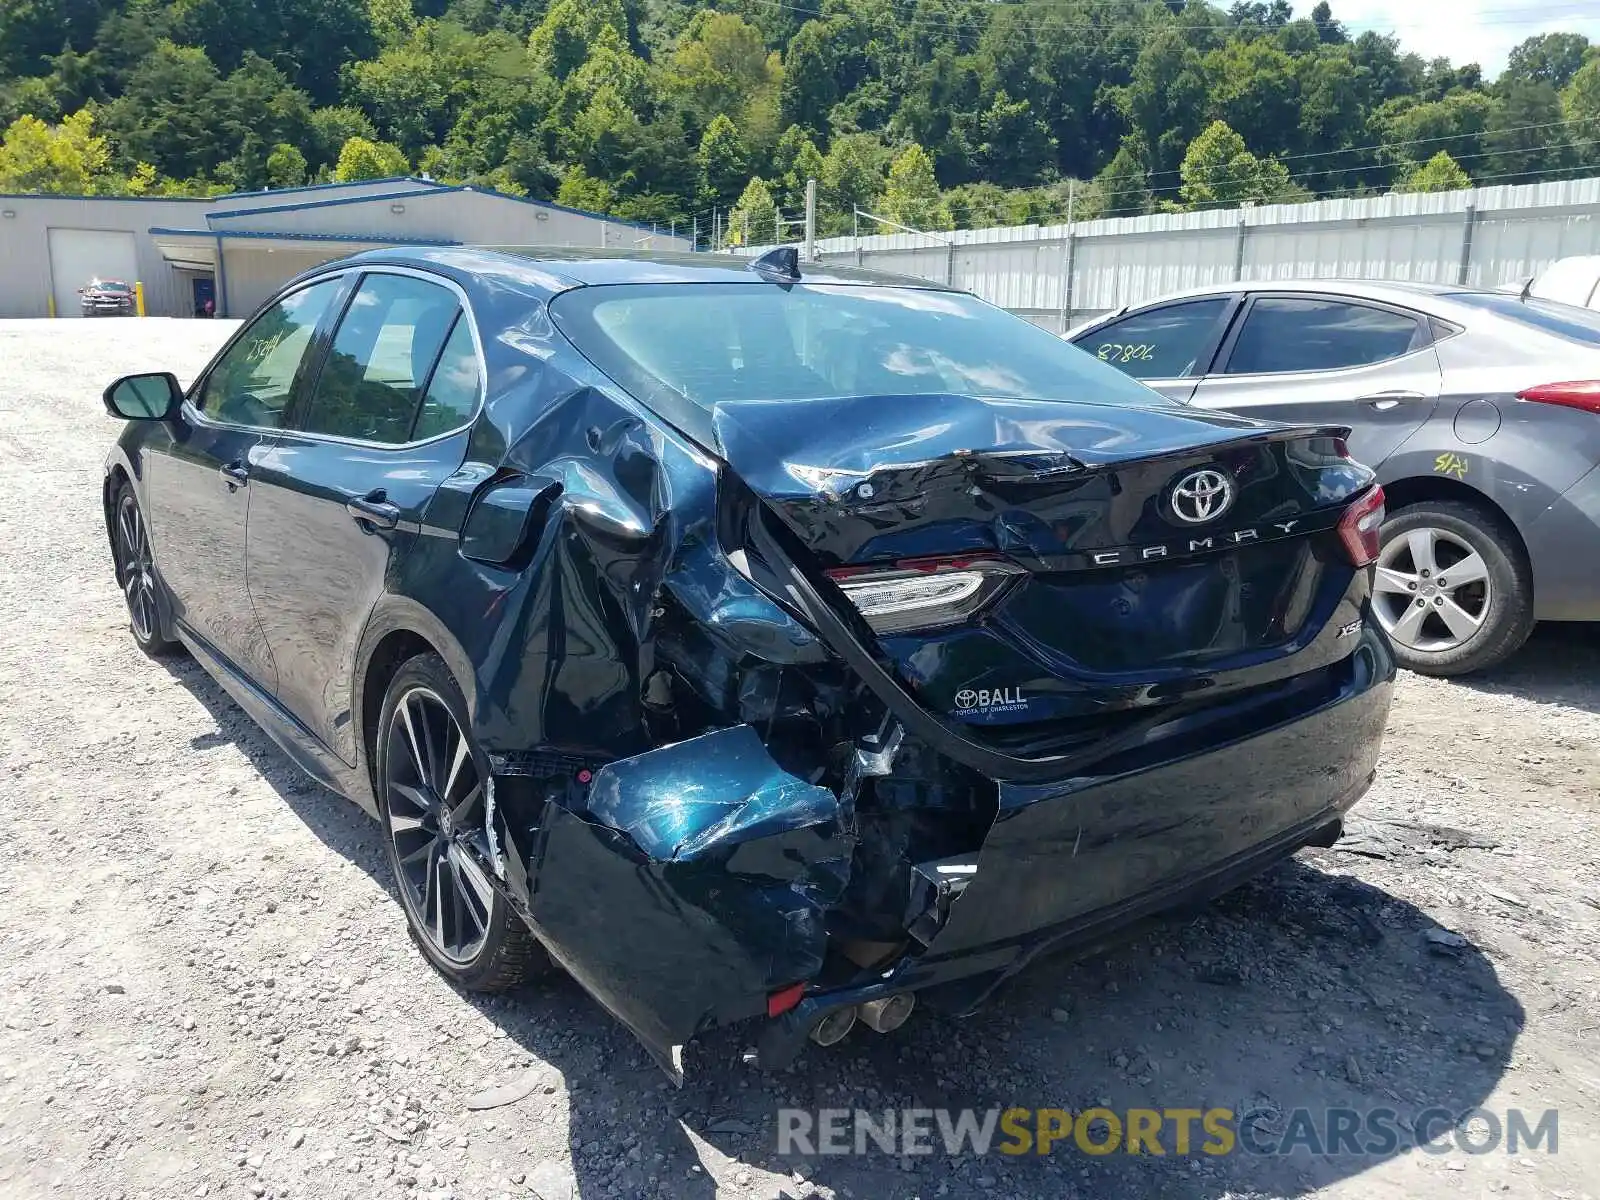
(1574, 280)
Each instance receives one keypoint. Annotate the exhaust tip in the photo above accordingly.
(832, 1028)
(888, 1014)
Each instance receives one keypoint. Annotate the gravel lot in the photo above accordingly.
(206, 987)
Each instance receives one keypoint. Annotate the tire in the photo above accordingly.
(1419, 545)
(459, 920)
(137, 577)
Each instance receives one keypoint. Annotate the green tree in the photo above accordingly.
(720, 66)
(1524, 140)
(911, 195)
(256, 109)
(1122, 189)
(795, 160)
(1217, 169)
(579, 189)
(753, 221)
(286, 166)
(561, 42)
(1166, 101)
(1552, 58)
(852, 177)
(312, 40)
(166, 114)
(724, 162)
(363, 159)
(331, 128)
(1254, 87)
(1580, 104)
(393, 21)
(1409, 132)
(810, 84)
(1016, 148)
(66, 158)
(1441, 173)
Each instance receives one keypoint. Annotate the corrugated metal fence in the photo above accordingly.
(1057, 275)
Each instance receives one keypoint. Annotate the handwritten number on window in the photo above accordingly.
(1117, 352)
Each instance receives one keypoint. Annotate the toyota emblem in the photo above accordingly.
(966, 698)
(1202, 495)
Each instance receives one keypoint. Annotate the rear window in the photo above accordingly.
(732, 341)
(1563, 320)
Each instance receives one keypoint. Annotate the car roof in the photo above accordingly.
(1367, 289)
(557, 269)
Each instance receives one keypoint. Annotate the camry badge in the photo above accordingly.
(1202, 495)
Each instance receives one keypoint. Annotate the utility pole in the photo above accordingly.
(811, 219)
(777, 224)
(694, 233)
(716, 233)
(1067, 254)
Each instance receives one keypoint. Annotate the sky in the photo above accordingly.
(1481, 31)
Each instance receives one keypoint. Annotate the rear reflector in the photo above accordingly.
(784, 999)
(1581, 393)
(1358, 528)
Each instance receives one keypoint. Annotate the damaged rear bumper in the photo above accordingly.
(689, 884)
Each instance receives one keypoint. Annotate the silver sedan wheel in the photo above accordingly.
(1432, 590)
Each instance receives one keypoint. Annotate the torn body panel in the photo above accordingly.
(688, 883)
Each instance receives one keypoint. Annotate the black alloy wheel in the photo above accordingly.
(136, 575)
(434, 808)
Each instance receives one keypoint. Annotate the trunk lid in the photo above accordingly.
(1162, 550)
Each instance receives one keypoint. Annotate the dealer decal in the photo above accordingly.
(975, 701)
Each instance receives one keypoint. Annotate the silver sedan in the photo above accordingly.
(1480, 411)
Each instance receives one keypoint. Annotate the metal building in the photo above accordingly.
(238, 249)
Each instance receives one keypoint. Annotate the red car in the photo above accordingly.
(107, 298)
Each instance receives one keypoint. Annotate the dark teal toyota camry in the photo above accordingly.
(755, 640)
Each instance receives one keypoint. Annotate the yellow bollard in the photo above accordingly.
(50, 303)
(138, 297)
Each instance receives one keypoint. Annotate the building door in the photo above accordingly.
(205, 296)
(79, 255)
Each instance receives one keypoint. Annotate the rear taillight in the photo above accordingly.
(1580, 393)
(1358, 528)
(924, 593)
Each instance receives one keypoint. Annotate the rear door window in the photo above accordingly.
(1310, 333)
(382, 357)
(452, 395)
(1159, 343)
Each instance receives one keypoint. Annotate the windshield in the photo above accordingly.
(110, 285)
(735, 341)
(1563, 320)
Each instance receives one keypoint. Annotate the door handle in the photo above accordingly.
(235, 475)
(373, 510)
(1384, 401)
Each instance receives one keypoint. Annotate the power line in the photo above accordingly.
(1458, 158)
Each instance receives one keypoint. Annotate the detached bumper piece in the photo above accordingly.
(692, 881)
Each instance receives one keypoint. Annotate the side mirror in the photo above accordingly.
(152, 397)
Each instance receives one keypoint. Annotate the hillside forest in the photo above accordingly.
(710, 117)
